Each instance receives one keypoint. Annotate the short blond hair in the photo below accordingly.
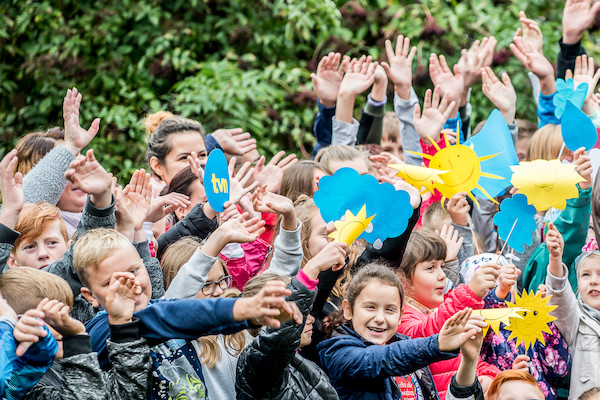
(340, 152)
(24, 288)
(391, 127)
(546, 143)
(93, 248)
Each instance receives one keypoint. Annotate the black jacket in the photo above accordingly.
(271, 368)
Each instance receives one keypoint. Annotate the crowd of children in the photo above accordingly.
(144, 290)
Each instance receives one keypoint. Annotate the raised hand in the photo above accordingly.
(585, 72)
(123, 291)
(272, 173)
(56, 314)
(459, 328)
(333, 256)
(234, 141)
(326, 81)
(530, 32)
(578, 15)
(536, 63)
(583, 165)
(507, 278)
(87, 174)
(479, 55)
(76, 138)
(138, 195)
(267, 307)
(502, 94)
(359, 76)
(29, 330)
(453, 241)
(435, 114)
(458, 208)
(162, 206)
(237, 183)
(451, 85)
(399, 65)
(484, 279)
(554, 242)
(265, 201)
(242, 229)
(11, 188)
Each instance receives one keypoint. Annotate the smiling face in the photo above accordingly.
(589, 281)
(182, 145)
(376, 312)
(428, 283)
(463, 168)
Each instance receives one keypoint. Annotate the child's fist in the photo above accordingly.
(554, 242)
(484, 279)
(507, 278)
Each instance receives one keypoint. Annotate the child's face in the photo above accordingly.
(358, 164)
(318, 236)
(71, 199)
(376, 312)
(306, 337)
(589, 282)
(125, 259)
(518, 390)
(393, 148)
(428, 283)
(182, 145)
(42, 250)
(216, 274)
(521, 147)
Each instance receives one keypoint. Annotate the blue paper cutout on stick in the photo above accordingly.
(348, 190)
(565, 91)
(577, 128)
(216, 180)
(494, 138)
(511, 210)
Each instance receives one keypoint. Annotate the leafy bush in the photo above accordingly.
(226, 63)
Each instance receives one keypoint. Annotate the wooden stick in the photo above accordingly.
(506, 241)
(473, 233)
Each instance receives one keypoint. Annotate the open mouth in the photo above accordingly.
(376, 331)
(594, 292)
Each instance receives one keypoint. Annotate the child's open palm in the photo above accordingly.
(265, 201)
(123, 291)
(453, 241)
(76, 138)
(459, 328)
(87, 174)
(271, 173)
(435, 114)
(11, 188)
(326, 81)
(238, 184)
(399, 65)
(242, 229)
(360, 76)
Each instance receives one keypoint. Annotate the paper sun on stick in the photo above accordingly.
(534, 323)
(348, 230)
(493, 316)
(546, 183)
(419, 177)
(464, 169)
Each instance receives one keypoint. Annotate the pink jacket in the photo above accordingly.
(245, 268)
(416, 324)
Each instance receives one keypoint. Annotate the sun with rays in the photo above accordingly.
(463, 166)
(535, 320)
(352, 226)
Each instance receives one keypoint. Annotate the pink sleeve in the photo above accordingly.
(304, 279)
(430, 149)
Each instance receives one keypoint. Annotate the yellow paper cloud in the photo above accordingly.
(534, 322)
(464, 169)
(493, 316)
(348, 230)
(546, 183)
(419, 177)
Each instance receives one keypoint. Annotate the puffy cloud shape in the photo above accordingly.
(348, 190)
(516, 209)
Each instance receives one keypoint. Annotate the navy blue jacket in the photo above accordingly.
(163, 320)
(359, 369)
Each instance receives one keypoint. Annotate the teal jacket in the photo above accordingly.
(573, 224)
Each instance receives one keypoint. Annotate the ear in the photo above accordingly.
(89, 296)
(316, 180)
(157, 167)
(347, 310)
(180, 213)
(12, 261)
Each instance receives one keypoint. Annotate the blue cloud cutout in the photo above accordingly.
(565, 91)
(348, 190)
(512, 209)
(577, 128)
(216, 180)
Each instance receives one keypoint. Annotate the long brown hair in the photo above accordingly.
(298, 179)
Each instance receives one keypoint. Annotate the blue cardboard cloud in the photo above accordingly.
(494, 138)
(565, 91)
(216, 180)
(577, 128)
(511, 210)
(348, 190)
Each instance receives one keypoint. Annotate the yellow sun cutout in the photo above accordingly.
(464, 169)
(546, 183)
(348, 230)
(535, 321)
(494, 316)
(419, 177)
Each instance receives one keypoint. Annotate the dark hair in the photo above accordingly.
(422, 246)
(181, 183)
(160, 126)
(589, 394)
(375, 270)
(298, 179)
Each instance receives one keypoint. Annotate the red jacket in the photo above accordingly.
(417, 324)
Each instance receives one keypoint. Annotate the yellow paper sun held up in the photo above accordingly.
(546, 183)
(464, 169)
(534, 322)
(493, 316)
(419, 177)
(348, 230)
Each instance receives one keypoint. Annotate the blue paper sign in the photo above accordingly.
(577, 128)
(216, 180)
(348, 190)
(516, 209)
(565, 91)
(494, 138)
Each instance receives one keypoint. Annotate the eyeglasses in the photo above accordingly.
(209, 287)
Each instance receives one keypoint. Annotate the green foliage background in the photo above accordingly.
(226, 63)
